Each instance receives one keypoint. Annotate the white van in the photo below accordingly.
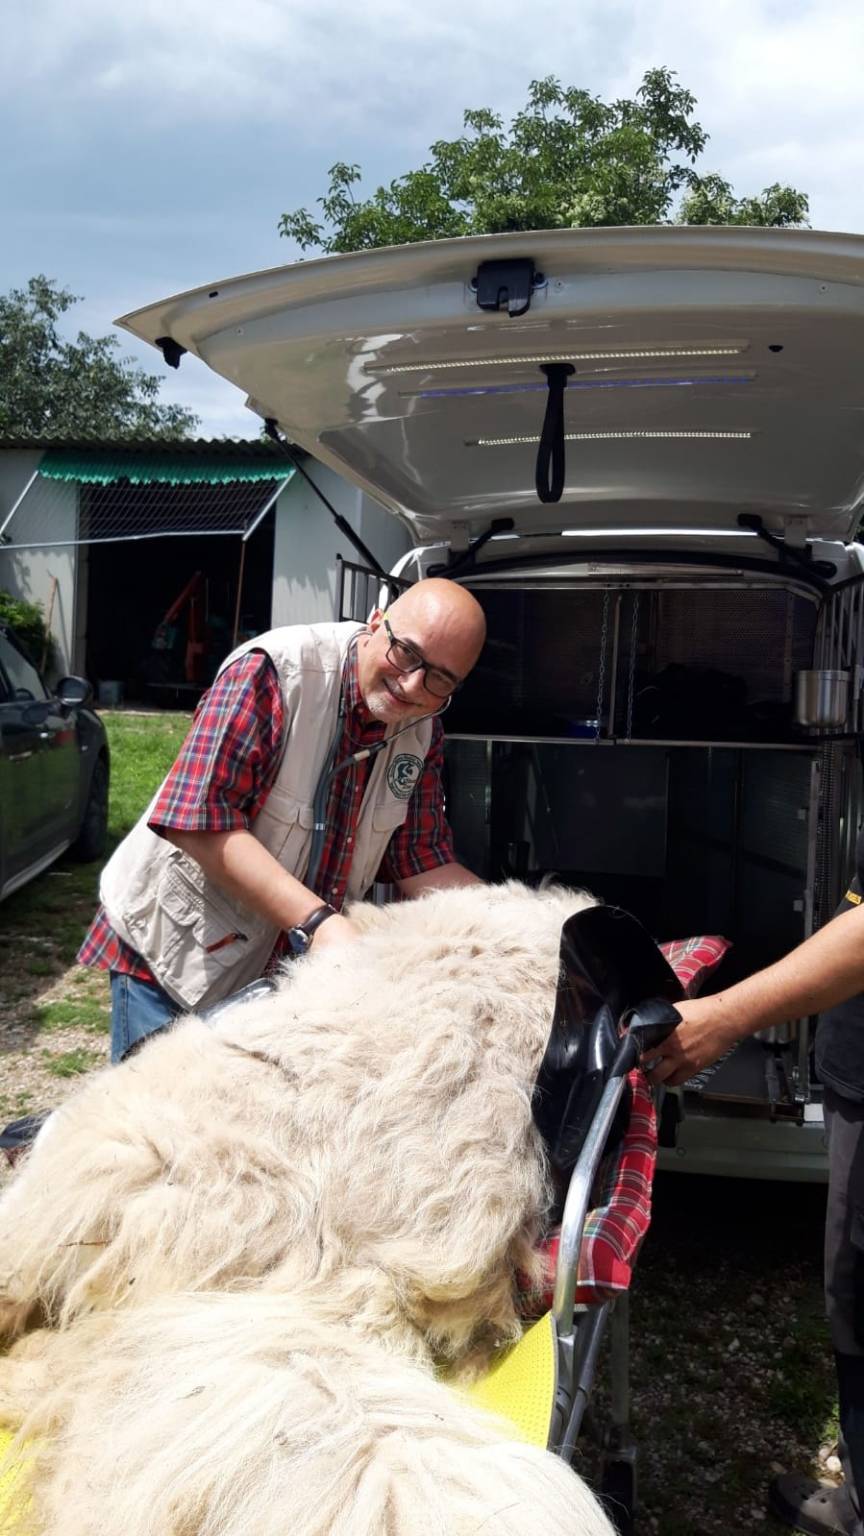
(643, 451)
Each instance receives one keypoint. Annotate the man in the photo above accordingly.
(824, 975)
(313, 767)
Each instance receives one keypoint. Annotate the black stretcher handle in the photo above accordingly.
(647, 1026)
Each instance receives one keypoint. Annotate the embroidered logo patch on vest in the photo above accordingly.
(403, 774)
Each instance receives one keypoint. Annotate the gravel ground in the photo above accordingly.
(732, 1371)
(53, 1014)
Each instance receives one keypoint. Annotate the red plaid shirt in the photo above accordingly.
(226, 770)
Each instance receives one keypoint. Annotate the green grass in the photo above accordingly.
(42, 926)
(14, 1104)
(70, 1063)
(143, 747)
(35, 966)
(802, 1394)
(80, 1012)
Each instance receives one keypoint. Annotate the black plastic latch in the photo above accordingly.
(171, 350)
(506, 284)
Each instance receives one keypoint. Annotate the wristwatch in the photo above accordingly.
(301, 935)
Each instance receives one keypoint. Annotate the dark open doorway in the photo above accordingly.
(161, 612)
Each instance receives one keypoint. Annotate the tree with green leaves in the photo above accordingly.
(51, 387)
(567, 160)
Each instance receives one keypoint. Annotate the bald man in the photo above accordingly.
(313, 768)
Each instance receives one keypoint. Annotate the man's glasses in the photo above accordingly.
(405, 658)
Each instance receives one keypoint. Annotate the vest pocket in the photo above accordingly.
(285, 829)
(220, 927)
(387, 817)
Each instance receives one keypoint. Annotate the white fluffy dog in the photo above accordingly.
(354, 1158)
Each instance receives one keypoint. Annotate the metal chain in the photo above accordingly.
(631, 676)
(601, 669)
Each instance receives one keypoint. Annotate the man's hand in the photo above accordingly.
(704, 1034)
(335, 930)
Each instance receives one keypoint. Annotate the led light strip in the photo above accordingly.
(670, 531)
(605, 437)
(557, 357)
(529, 387)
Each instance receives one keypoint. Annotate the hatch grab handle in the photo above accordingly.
(551, 454)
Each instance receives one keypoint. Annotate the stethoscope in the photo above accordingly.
(331, 769)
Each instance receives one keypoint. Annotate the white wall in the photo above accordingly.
(48, 510)
(307, 542)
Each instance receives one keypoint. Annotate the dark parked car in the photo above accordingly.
(54, 769)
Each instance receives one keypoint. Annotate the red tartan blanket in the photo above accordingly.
(622, 1213)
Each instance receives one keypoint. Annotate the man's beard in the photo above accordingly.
(383, 706)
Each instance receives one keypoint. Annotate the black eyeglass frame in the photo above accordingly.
(422, 665)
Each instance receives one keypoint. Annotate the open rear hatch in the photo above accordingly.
(700, 373)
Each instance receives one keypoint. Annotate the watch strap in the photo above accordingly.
(316, 918)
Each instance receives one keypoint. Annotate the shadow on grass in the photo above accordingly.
(41, 930)
(732, 1367)
(43, 925)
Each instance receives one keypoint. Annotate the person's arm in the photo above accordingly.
(442, 877)
(826, 969)
(220, 781)
(240, 865)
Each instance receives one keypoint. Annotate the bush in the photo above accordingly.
(28, 622)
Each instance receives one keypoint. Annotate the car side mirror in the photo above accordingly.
(74, 691)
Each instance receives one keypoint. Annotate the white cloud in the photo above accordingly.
(779, 88)
(151, 147)
(393, 75)
(218, 405)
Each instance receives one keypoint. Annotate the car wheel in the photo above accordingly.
(93, 832)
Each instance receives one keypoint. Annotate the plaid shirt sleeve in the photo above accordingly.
(424, 841)
(229, 760)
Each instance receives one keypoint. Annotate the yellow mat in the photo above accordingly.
(519, 1387)
(13, 1498)
(521, 1384)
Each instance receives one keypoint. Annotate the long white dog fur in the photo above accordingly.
(256, 1240)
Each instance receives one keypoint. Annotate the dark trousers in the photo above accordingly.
(844, 1276)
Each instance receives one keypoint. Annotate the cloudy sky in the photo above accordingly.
(152, 147)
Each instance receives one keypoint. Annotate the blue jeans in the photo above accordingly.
(138, 1009)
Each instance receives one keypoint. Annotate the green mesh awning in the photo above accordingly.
(161, 469)
(124, 494)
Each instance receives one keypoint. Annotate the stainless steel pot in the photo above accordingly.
(822, 698)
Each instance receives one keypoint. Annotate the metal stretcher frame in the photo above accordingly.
(579, 1333)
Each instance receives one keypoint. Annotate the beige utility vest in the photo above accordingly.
(202, 944)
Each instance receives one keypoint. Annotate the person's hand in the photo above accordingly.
(336, 930)
(704, 1034)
